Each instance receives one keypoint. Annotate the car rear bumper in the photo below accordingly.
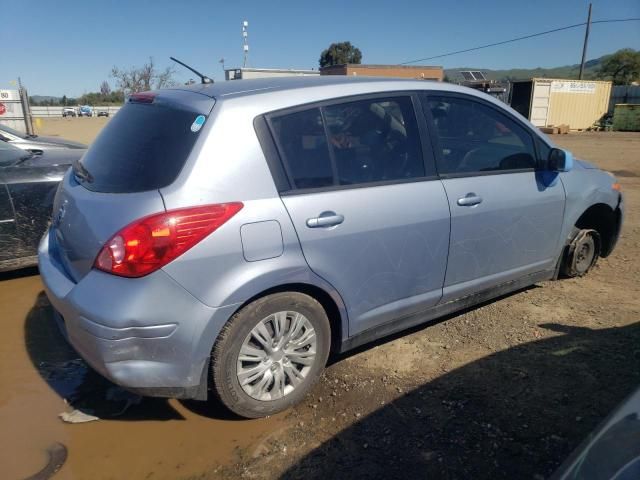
(147, 334)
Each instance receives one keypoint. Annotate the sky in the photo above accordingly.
(68, 47)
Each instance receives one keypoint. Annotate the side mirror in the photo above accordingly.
(559, 160)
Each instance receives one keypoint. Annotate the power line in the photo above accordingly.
(520, 38)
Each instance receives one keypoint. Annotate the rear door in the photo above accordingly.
(31, 189)
(506, 216)
(371, 216)
(9, 243)
(7, 223)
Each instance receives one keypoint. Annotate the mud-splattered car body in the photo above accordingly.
(28, 183)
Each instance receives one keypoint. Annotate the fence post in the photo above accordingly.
(28, 119)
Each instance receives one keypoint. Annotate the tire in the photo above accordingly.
(248, 385)
(582, 254)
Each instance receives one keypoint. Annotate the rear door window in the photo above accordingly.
(302, 142)
(143, 147)
(374, 140)
(351, 143)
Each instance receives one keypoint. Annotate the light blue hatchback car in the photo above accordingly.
(226, 238)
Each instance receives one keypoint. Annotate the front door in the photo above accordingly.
(505, 218)
(371, 217)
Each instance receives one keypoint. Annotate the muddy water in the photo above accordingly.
(135, 438)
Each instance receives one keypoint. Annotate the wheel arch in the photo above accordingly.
(604, 220)
(331, 303)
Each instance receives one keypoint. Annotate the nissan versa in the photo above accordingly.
(226, 238)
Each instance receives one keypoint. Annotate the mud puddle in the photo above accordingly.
(41, 376)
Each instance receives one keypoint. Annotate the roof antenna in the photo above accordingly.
(203, 78)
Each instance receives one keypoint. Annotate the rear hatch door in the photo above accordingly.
(142, 149)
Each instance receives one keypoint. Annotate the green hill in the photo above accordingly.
(566, 71)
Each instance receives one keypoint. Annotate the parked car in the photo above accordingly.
(28, 183)
(229, 236)
(612, 451)
(85, 111)
(36, 143)
(68, 112)
(103, 113)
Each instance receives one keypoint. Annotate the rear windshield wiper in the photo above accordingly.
(81, 172)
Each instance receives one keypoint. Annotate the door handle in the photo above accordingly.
(325, 219)
(469, 200)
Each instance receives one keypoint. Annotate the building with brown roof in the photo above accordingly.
(422, 72)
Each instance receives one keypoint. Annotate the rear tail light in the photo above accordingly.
(148, 244)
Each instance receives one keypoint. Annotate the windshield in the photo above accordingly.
(11, 131)
(10, 154)
(143, 148)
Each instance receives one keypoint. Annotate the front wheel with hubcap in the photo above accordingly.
(270, 353)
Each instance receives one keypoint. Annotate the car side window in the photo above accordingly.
(351, 143)
(476, 138)
(302, 143)
(374, 140)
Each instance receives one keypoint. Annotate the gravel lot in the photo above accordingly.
(505, 390)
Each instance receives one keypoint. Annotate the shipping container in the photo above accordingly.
(626, 117)
(550, 101)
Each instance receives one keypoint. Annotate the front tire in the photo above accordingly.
(582, 254)
(270, 354)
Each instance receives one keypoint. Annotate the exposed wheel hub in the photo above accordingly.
(277, 356)
(584, 254)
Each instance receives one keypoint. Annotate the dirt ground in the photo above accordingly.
(505, 390)
(80, 129)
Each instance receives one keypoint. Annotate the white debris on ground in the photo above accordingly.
(77, 416)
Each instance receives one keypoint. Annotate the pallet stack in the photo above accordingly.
(557, 129)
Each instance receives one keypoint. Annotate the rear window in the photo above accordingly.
(143, 147)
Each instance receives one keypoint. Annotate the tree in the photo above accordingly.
(97, 98)
(622, 67)
(105, 89)
(340, 53)
(64, 100)
(147, 77)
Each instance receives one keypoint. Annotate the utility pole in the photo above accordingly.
(245, 39)
(586, 40)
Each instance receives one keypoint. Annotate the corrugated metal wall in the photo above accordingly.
(576, 103)
(624, 94)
